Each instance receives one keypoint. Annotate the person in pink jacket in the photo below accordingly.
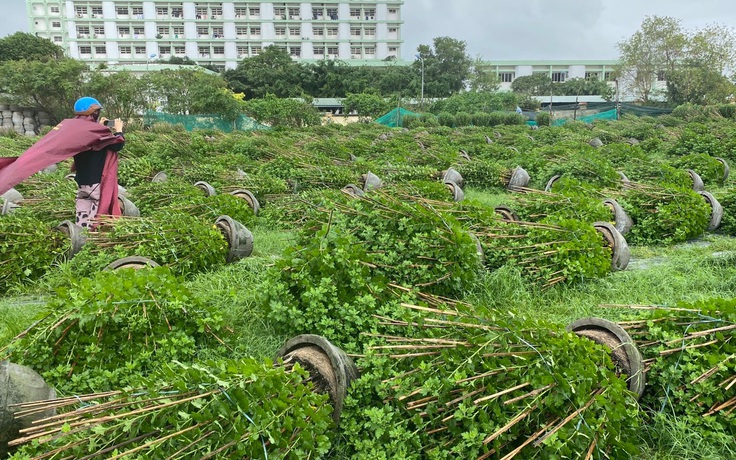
(95, 150)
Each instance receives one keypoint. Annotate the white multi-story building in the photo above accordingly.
(219, 33)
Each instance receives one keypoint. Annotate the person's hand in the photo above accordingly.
(101, 120)
(118, 125)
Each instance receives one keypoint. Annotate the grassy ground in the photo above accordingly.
(657, 275)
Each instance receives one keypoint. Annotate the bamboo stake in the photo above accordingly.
(500, 393)
(519, 417)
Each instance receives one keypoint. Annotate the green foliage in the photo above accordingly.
(727, 198)
(446, 119)
(446, 66)
(273, 111)
(470, 102)
(426, 395)
(484, 174)
(28, 248)
(51, 86)
(708, 168)
(692, 352)
(23, 46)
(184, 242)
(543, 118)
(573, 200)
(665, 214)
(367, 105)
(253, 410)
(148, 313)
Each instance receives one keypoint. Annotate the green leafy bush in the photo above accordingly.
(76, 345)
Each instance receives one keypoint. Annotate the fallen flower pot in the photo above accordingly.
(506, 213)
(76, 235)
(134, 262)
(726, 169)
(127, 207)
(353, 190)
(716, 210)
(249, 197)
(239, 238)
(698, 185)
(206, 188)
(371, 181)
(624, 353)
(457, 191)
(519, 179)
(622, 221)
(452, 175)
(330, 368)
(551, 182)
(12, 195)
(621, 254)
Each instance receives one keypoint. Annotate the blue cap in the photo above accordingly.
(86, 105)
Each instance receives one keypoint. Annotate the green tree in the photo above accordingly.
(21, 46)
(192, 91)
(537, 84)
(691, 62)
(584, 87)
(271, 72)
(281, 112)
(367, 105)
(122, 93)
(446, 67)
(50, 86)
(481, 77)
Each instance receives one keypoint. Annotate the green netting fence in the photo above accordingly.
(192, 122)
(395, 118)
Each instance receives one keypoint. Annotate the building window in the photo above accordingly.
(241, 31)
(240, 12)
(559, 77)
(56, 25)
(392, 49)
(318, 32)
(608, 76)
(218, 50)
(255, 12)
(280, 31)
(370, 50)
(81, 11)
(255, 31)
(203, 31)
(506, 77)
(162, 10)
(295, 31)
(99, 31)
(355, 50)
(122, 10)
(54, 9)
(96, 11)
(180, 50)
(83, 31)
(100, 49)
(201, 13)
(255, 51)
(242, 51)
(332, 50)
(370, 13)
(164, 50)
(294, 13)
(592, 75)
(332, 31)
(204, 51)
(137, 12)
(218, 32)
(163, 30)
(178, 31)
(216, 11)
(123, 31)
(57, 39)
(355, 31)
(279, 13)
(354, 13)
(317, 13)
(85, 50)
(177, 11)
(370, 31)
(140, 31)
(125, 50)
(332, 13)
(140, 50)
(319, 50)
(295, 51)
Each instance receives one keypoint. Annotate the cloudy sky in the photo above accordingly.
(517, 29)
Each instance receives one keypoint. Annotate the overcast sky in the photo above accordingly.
(517, 29)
